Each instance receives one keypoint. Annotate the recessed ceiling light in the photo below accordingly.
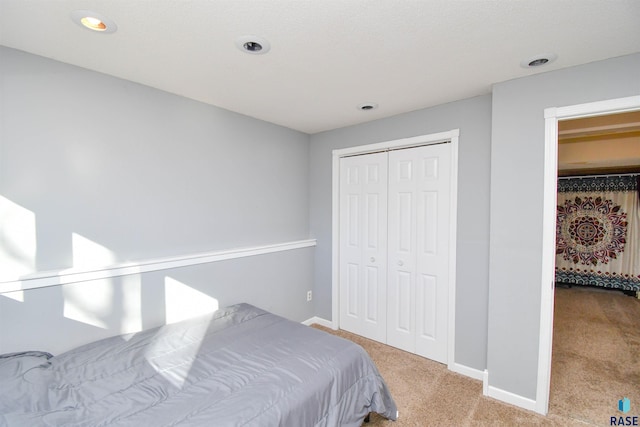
(94, 21)
(538, 60)
(253, 44)
(367, 106)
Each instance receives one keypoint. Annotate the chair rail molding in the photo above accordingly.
(73, 275)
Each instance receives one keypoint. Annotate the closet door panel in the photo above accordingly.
(352, 284)
(403, 321)
(363, 258)
(418, 249)
(429, 222)
(372, 303)
(402, 251)
(350, 246)
(432, 261)
(426, 294)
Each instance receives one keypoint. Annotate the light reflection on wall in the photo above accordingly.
(183, 302)
(89, 254)
(17, 240)
(89, 302)
(131, 304)
(15, 295)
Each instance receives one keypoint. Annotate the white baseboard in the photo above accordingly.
(507, 396)
(467, 371)
(485, 383)
(319, 321)
(511, 398)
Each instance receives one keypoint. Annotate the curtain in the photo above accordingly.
(598, 232)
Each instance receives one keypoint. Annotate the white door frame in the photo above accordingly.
(450, 137)
(552, 116)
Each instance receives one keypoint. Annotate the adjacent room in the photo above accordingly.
(186, 187)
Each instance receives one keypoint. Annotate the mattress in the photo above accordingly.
(239, 366)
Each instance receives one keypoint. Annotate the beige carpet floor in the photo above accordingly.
(595, 363)
(596, 349)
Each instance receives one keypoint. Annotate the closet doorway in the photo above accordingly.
(394, 243)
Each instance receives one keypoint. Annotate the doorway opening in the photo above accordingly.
(552, 117)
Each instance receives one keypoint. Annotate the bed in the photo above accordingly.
(239, 366)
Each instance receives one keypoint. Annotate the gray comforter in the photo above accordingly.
(241, 366)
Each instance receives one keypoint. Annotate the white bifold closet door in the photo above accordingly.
(394, 248)
(418, 250)
(363, 245)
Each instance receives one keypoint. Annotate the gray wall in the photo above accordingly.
(58, 318)
(140, 171)
(147, 174)
(517, 150)
(473, 118)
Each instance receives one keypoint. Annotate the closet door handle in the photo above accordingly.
(400, 263)
(372, 259)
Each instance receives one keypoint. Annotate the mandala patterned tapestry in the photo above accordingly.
(597, 232)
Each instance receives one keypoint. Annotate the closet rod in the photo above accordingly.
(604, 175)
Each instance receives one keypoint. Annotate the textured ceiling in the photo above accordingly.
(327, 56)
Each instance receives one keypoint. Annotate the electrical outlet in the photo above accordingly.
(309, 295)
